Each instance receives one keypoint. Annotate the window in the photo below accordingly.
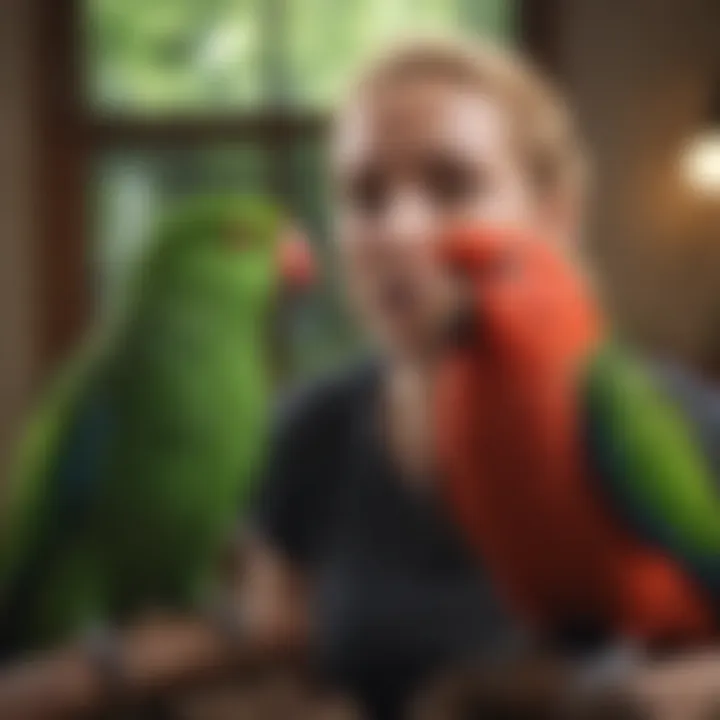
(231, 55)
(181, 96)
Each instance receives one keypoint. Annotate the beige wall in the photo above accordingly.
(16, 208)
(639, 72)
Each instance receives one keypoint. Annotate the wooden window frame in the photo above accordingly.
(69, 137)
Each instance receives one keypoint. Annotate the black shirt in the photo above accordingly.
(396, 597)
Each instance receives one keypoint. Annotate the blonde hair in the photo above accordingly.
(544, 128)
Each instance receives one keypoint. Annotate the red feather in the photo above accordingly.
(515, 474)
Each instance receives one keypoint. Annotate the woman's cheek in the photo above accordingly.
(360, 272)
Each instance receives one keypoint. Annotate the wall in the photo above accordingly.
(16, 220)
(639, 73)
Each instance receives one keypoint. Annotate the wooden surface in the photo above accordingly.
(156, 657)
(185, 659)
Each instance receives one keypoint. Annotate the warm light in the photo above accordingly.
(701, 162)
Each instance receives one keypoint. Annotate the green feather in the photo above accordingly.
(651, 461)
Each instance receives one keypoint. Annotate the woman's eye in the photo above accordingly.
(450, 182)
(368, 193)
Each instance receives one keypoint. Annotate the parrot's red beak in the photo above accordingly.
(296, 263)
(469, 250)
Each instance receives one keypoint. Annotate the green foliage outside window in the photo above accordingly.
(172, 58)
(153, 56)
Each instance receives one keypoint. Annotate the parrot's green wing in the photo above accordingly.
(24, 505)
(43, 496)
(650, 462)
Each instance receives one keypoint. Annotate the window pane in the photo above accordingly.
(323, 334)
(160, 55)
(328, 39)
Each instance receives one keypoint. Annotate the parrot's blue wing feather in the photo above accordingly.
(75, 477)
(700, 404)
(81, 466)
(610, 473)
(616, 475)
(611, 477)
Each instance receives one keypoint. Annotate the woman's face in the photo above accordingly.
(409, 161)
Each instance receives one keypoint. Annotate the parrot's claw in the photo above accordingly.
(598, 682)
(610, 666)
(224, 614)
(103, 647)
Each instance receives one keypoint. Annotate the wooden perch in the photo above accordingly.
(166, 654)
(157, 656)
(684, 688)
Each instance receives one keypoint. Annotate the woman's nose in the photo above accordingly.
(409, 221)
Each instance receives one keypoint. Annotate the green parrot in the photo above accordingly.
(139, 461)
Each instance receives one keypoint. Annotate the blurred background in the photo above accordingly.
(111, 108)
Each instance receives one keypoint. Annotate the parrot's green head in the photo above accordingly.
(229, 254)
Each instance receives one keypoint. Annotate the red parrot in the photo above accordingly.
(516, 474)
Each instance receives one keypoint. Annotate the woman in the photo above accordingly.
(352, 552)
